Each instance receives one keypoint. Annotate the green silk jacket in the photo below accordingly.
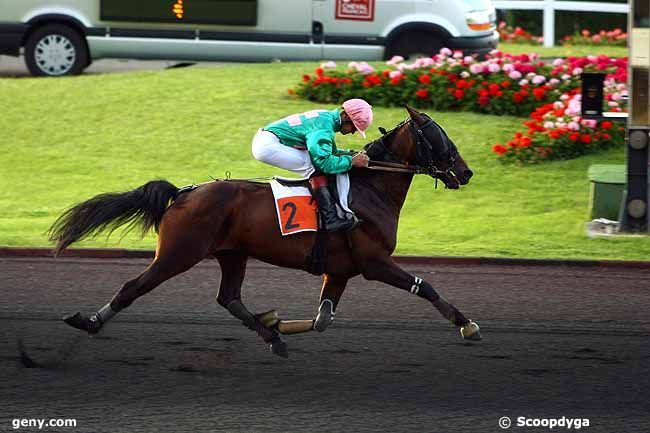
(314, 131)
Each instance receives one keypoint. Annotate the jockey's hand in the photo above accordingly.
(360, 160)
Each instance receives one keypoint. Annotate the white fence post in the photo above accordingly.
(549, 23)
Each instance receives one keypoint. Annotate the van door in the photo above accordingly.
(351, 28)
(290, 23)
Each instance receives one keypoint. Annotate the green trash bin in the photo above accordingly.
(607, 185)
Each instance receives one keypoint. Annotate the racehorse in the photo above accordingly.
(232, 220)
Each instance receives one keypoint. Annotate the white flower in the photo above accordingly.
(539, 79)
(523, 82)
(577, 71)
(328, 65)
(464, 74)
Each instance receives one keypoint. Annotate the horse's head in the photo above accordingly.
(432, 149)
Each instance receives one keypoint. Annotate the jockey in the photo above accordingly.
(304, 143)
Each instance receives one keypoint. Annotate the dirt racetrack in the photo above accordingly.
(559, 341)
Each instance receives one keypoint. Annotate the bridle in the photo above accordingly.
(425, 145)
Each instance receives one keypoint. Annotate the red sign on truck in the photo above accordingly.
(363, 10)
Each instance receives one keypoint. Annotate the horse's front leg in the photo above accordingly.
(333, 288)
(388, 272)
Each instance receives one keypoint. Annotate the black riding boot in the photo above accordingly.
(327, 206)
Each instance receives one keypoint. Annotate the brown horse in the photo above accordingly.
(233, 220)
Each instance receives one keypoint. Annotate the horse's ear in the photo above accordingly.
(414, 114)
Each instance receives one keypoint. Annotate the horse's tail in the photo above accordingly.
(144, 206)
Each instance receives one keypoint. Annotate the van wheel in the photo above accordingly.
(55, 50)
(415, 44)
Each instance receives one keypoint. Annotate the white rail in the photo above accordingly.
(550, 6)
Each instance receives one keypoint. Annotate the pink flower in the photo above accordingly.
(514, 75)
(558, 62)
(395, 74)
(554, 81)
(523, 82)
(549, 125)
(395, 60)
(328, 65)
(446, 52)
(476, 68)
(574, 126)
(589, 123)
(577, 71)
(494, 68)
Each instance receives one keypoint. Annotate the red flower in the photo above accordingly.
(539, 93)
(555, 134)
(386, 73)
(459, 94)
(306, 78)
(461, 84)
(395, 81)
(517, 97)
(493, 89)
(525, 141)
(585, 138)
(422, 93)
(425, 79)
(606, 124)
(505, 84)
(574, 136)
(483, 101)
(499, 149)
(319, 71)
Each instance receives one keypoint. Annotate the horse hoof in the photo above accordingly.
(325, 316)
(78, 321)
(279, 348)
(470, 331)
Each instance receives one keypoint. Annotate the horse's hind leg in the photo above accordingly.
(173, 258)
(233, 269)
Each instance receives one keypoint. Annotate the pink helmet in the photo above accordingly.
(360, 113)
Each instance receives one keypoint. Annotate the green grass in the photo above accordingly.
(65, 140)
(563, 51)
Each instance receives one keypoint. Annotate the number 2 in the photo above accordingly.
(290, 225)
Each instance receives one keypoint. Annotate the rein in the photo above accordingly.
(420, 139)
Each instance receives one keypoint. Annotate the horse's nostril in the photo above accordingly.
(468, 174)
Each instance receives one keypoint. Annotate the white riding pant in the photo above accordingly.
(268, 148)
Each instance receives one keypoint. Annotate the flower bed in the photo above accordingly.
(615, 37)
(517, 35)
(500, 84)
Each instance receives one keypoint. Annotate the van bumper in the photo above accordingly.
(11, 38)
(475, 45)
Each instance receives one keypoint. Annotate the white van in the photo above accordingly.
(62, 37)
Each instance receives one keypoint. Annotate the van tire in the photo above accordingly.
(413, 44)
(56, 50)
